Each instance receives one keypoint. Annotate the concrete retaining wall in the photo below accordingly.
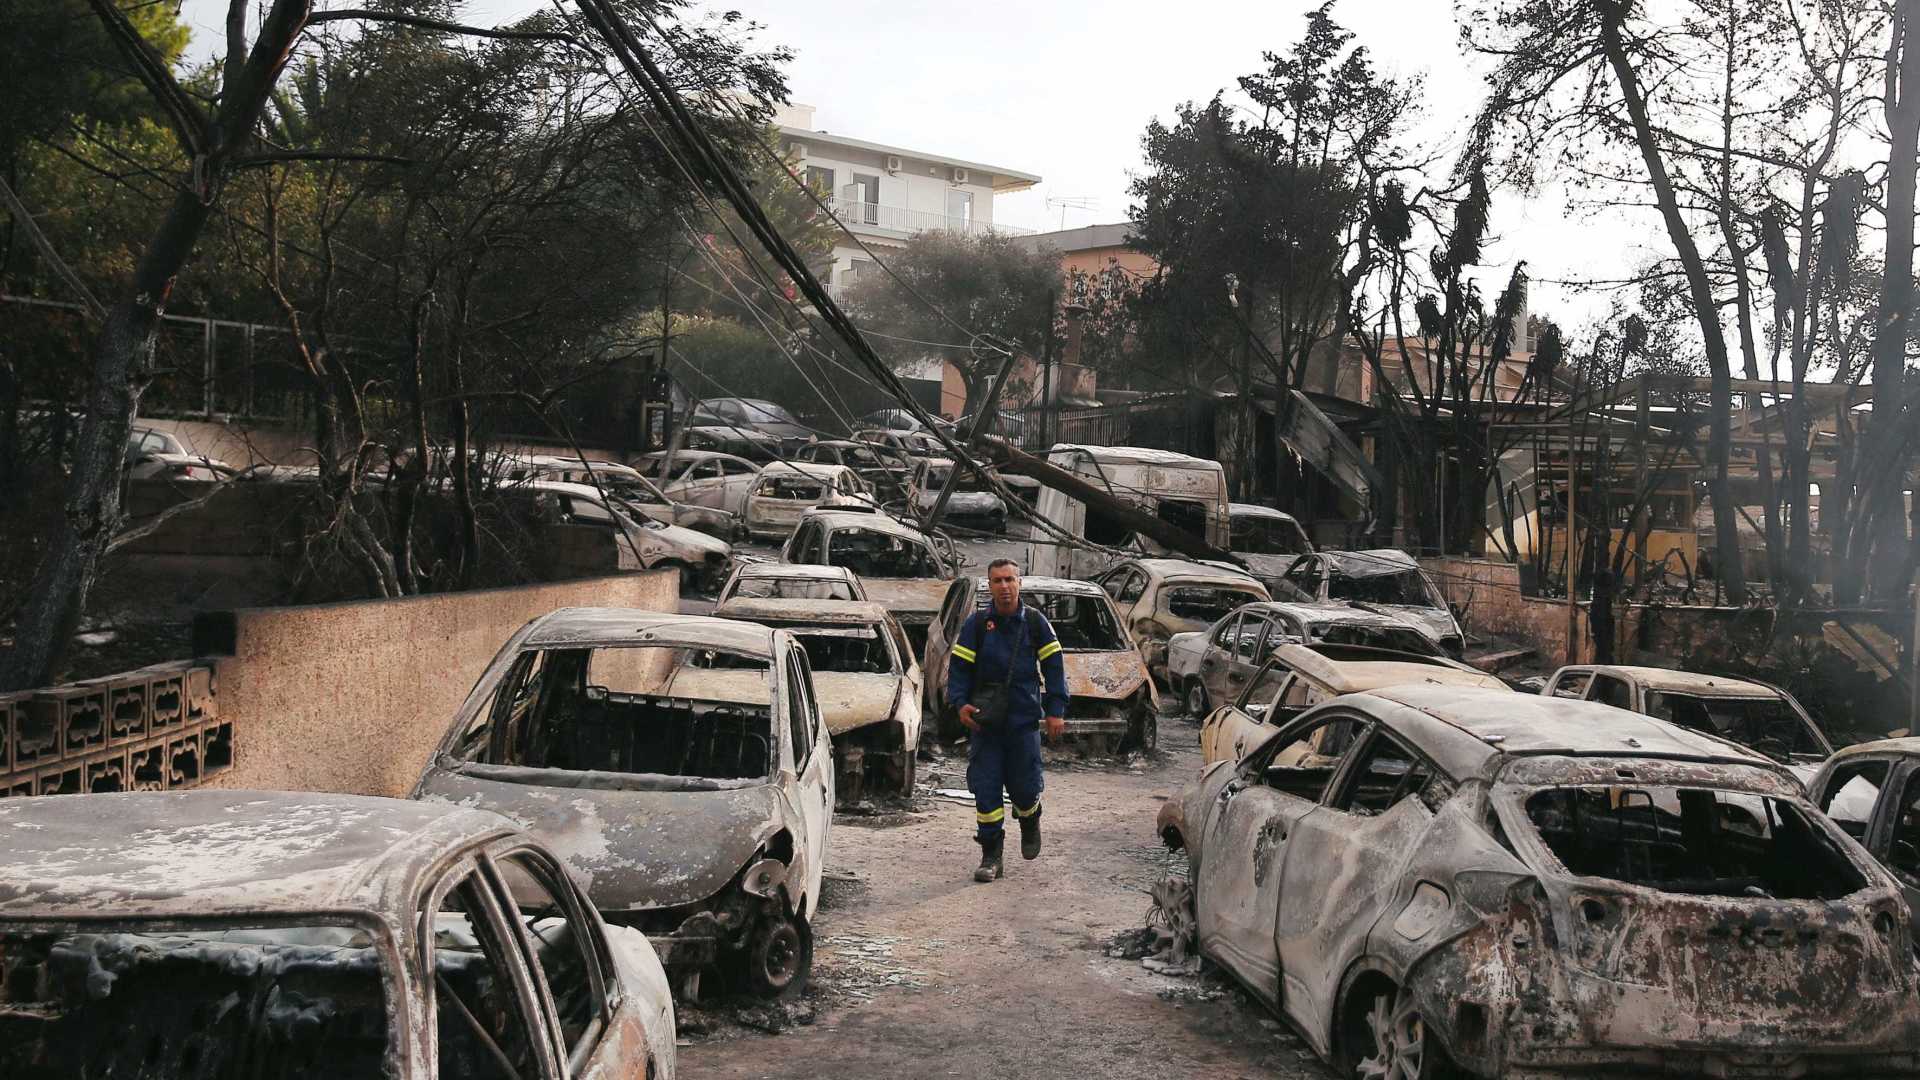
(352, 697)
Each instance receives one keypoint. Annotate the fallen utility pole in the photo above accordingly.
(1010, 460)
(982, 417)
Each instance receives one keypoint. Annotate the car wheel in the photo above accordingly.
(1384, 1037)
(1143, 730)
(1196, 699)
(779, 957)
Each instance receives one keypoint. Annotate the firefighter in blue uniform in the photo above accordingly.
(1007, 644)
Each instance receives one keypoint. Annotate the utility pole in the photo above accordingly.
(1573, 543)
(1046, 376)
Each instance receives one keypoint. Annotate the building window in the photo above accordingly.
(860, 269)
(820, 179)
(960, 208)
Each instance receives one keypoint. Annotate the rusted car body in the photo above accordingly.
(1295, 678)
(237, 933)
(1519, 886)
(866, 679)
(1754, 714)
(1110, 693)
(1158, 598)
(791, 581)
(1872, 791)
(1214, 665)
(680, 765)
(902, 569)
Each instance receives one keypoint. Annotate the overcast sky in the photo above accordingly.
(1064, 89)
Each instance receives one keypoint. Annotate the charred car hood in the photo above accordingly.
(855, 699)
(1436, 623)
(635, 849)
(907, 596)
(1105, 676)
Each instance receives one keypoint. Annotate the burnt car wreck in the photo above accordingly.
(679, 764)
(1514, 886)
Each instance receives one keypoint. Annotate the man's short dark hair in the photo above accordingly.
(998, 563)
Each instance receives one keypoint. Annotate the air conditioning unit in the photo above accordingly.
(893, 163)
(959, 176)
(797, 149)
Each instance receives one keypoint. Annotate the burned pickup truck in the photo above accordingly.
(678, 763)
(865, 678)
(1515, 886)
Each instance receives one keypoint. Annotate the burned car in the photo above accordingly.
(1267, 540)
(901, 568)
(1383, 579)
(1110, 694)
(1872, 791)
(1158, 598)
(1295, 678)
(1754, 714)
(296, 935)
(973, 505)
(791, 581)
(1512, 885)
(679, 763)
(1215, 664)
(786, 490)
(703, 561)
(865, 678)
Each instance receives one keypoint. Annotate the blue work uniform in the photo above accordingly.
(1007, 757)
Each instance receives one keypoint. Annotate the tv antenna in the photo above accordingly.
(1076, 202)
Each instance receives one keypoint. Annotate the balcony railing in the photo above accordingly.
(857, 214)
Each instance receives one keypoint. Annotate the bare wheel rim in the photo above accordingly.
(1196, 699)
(780, 956)
(1399, 1039)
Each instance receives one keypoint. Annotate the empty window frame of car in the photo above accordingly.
(873, 553)
(1082, 623)
(1692, 840)
(148, 999)
(1205, 603)
(667, 716)
(1304, 764)
(1401, 588)
(854, 648)
(1770, 725)
(793, 588)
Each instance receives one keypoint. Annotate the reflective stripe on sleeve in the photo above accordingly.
(1049, 649)
(965, 653)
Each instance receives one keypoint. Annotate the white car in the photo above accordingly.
(786, 490)
(628, 484)
(973, 504)
(1158, 598)
(703, 560)
(702, 477)
(680, 764)
(1382, 579)
(791, 581)
(153, 454)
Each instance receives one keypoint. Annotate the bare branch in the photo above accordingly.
(189, 122)
(45, 248)
(435, 24)
(275, 157)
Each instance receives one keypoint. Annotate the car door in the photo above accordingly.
(699, 485)
(1249, 639)
(1303, 580)
(488, 1019)
(954, 608)
(564, 948)
(1343, 864)
(1238, 894)
(803, 547)
(1228, 732)
(737, 480)
(1217, 658)
(807, 774)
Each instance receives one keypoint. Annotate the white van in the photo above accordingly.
(1187, 492)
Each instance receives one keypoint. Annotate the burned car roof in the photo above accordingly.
(1688, 682)
(1171, 569)
(1141, 454)
(795, 570)
(214, 852)
(1327, 614)
(1067, 586)
(585, 626)
(1527, 724)
(836, 519)
(813, 611)
(1370, 563)
(1909, 745)
(1254, 510)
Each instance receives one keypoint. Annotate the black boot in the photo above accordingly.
(1030, 834)
(991, 868)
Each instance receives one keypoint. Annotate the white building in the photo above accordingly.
(885, 194)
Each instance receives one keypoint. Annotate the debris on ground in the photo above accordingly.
(857, 966)
(726, 1017)
(1165, 945)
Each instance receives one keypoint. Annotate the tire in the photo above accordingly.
(1383, 1037)
(778, 959)
(1143, 730)
(1195, 699)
